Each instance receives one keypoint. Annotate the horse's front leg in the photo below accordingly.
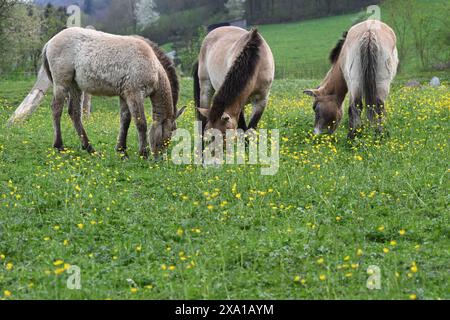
(125, 121)
(136, 106)
(259, 106)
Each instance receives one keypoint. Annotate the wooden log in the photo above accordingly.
(33, 100)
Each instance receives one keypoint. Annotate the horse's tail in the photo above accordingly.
(238, 76)
(196, 78)
(369, 63)
(45, 63)
(196, 85)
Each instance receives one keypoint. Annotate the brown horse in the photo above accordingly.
(239, 66)
(365, 63)
(79, 60)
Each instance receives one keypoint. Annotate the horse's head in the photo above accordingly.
(328, 112)
(224, 123)
(161, 133)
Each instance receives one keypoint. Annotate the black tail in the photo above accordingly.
(200, 117)
(196, 85)
(238, 77)
(369, 63)
(45, 63)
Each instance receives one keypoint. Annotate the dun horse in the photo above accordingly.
(79, 60)
(365, 63)
(239, 66)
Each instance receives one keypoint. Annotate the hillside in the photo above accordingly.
(301, 49)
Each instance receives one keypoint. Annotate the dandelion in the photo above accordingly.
(322, 277)
(414, 268)
(413, 297)
(58, 263)
(180, 232)
(7, 293)
(386, 250)
(134, 290)
(359, 253)
(402, 232)
(60, 271)
(320, 261)
(80, 226)
(297, 279)
(138, 248)
(393, 243)
(9, 266)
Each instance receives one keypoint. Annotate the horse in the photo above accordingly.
(79, 60)
(237, 65)
(364, 63)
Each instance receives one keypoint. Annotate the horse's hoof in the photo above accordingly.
(60, 149)
(89, 149)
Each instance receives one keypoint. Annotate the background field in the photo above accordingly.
(184, 232)
(301, 49)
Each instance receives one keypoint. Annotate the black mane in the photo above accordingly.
(336, 52)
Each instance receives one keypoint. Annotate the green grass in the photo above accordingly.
(301, 49)
(311, 231)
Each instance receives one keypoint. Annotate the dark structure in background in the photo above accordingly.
(241, 23)
(275, 11)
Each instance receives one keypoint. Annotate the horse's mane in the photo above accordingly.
(336, 52)
(170, 69)
(238, 76)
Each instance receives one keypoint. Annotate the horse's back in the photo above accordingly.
(101, 63)
(385, 39)
(220, 50)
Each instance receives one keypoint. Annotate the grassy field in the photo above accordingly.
(144, 230)
(301, 49)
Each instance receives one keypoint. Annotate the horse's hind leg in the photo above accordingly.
(75, 114)
(125, 121)
(379, 114)
(259, 106)
(355, 111)
(57, 109)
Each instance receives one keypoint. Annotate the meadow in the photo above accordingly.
(301, 48)
(153, 230)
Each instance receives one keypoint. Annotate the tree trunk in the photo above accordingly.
(33, 100)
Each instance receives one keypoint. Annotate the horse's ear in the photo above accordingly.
(204, 112)
(311, 92)
(181, 112)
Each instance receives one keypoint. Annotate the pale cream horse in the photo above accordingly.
(79, 60)
(365, 63)
(239, 66)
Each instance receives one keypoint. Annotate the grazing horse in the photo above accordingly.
(239, 66)
(79, 60)
(365, 63)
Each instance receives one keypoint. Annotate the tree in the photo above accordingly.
(145, 13)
